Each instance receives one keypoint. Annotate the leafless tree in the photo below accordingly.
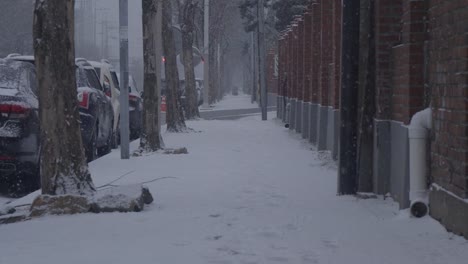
(63, 164)
(175, 117)
(187, 15)
(151, 135)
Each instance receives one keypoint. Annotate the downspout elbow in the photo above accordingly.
(419, 128)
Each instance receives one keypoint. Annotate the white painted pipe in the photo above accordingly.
(421, 124)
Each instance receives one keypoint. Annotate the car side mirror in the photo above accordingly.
(107, 88)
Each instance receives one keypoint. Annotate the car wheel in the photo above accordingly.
(91, 150)
(106, 149)
(19, 185)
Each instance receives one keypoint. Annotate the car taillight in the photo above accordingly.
(132, 98)
(83, 99)
(14, 110)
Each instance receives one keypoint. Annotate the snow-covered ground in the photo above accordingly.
(247, 192)
(231, 102)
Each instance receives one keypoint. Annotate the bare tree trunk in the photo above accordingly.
(63, 164)
(151, 136)
(175, 117)
(213, 85)
(188, 27)
(366, 103)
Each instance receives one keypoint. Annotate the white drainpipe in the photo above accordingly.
(421, 124)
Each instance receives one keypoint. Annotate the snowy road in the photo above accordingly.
(247, 192)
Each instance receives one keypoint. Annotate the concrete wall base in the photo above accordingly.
(279, 107)
(272, 99)
(382, 151)
(292, 114)
(391, 161)
(331, 130)
(399, 168)
(285, 114)
(450, 211)
(334, 134)
(313, 130)
(322, 124)
(299, 117)
(305, 120)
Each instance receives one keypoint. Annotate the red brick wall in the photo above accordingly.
(295, 59)
(387, 34)
(272, 81)
(448, 80)
(281, 66)
(290, 62)
(300, 59)
(408, 78)
(326, 50)
(316, 52)
(337, 20)
(307, 55)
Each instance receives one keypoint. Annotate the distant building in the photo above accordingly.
(16, 21)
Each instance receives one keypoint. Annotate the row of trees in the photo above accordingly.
(63, 165)
(278, 15)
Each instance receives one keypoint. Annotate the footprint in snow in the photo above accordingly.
(267, 234)
(214, 238)
(278, 259)
(215, 215)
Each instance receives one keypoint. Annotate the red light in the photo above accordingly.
(14, 110)
(163, 59)
(19, 109)
(132, 98)
(5, 109)
(83, 99)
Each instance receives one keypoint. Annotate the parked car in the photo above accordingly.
(110, 84)
(96, 112)
(183, 98)
(135, 104)
(19, 127)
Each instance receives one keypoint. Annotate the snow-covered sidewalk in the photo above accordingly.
(247, 192)
(235, 102)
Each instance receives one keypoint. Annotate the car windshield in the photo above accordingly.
(98, 71)
(93, 79)
(14, 77)
(81, 79)
(87, 78)
(9, 77)
(115, 80)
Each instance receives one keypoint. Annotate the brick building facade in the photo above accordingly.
(419, 59)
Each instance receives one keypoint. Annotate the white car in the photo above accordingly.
(108, 77)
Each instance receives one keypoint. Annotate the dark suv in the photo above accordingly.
(19, 121)
(96, 112)
(19, 127)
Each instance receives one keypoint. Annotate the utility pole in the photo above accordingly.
(254, 67)
(206, 55)
(158, 54)
(261, 59)
(347, 179)
(124, 115)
